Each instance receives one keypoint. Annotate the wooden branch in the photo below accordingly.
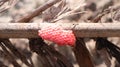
(37, 11)
(30, 30)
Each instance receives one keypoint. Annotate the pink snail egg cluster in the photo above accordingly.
(58, 35)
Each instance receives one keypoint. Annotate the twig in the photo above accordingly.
(37, 11)
(30, 30)
(48, 54)
(10, 4)
(10, 56)
(15, 51)
(82, 54)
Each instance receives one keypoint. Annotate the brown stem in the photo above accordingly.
(82, 54)
(38, 11)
